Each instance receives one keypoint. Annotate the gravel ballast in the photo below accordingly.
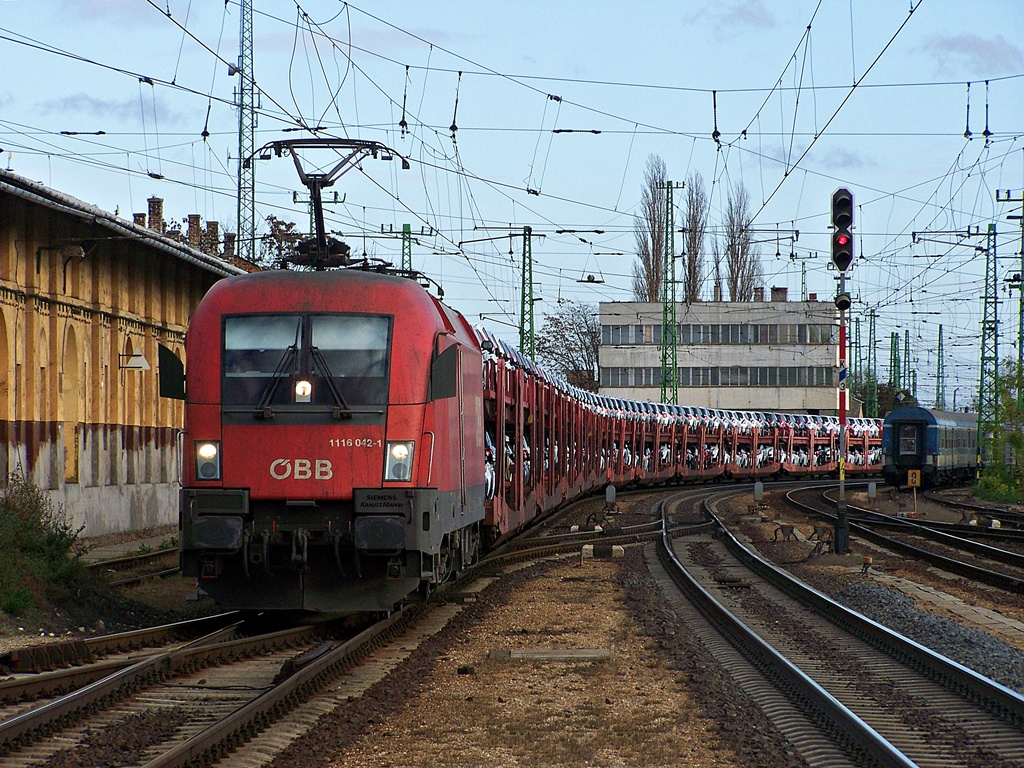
(970, 647)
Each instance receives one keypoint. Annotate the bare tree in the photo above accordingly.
(567, 343)
(280, 244)
(695, 221)
(649, 233)
(742, 257)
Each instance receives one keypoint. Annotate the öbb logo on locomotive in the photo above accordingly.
(301, 469)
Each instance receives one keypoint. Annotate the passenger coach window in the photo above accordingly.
(908, 439)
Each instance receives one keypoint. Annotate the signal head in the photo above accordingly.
(842, 250)
(842, 208)
(842, 220)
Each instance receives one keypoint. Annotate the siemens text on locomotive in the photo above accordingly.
(942, 445)
(351, 440)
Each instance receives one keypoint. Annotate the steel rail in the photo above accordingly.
(22, 729)
(45, 656)
(130, 561)
(129, 580)
(956, 677)
(977, 573)
(843, 725)
(257, 713)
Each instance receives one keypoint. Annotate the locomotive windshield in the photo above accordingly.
(268, 359)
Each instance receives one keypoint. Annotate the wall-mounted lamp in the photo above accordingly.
(136, 361)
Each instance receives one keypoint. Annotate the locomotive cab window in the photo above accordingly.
(258, 350)
(308, 360)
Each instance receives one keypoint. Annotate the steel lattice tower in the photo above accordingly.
(407, 247)
(669, 383)
(940, 376)
(1017, 282)
(987, 395)
(872, 373)
(246, 240)
(906, 360)
(895, 379)
(856, 364)
(526, 331)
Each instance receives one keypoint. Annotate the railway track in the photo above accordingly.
(192, 703)
(998, 567)
(139, 566)
(853, 692)
(246, 705)
(46, 726)
(1006, 515)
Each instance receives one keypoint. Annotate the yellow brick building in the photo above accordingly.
(86, 298)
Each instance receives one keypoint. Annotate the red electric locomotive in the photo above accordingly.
(351, 440)
(334, 442)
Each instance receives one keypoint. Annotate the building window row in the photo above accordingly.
(722, 333)
(725, 376)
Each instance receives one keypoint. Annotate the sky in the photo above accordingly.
(557, 107)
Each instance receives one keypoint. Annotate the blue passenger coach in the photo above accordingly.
(943, 445)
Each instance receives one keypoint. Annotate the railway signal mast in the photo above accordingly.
(842, 258)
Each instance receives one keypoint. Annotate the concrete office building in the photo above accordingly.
(776, 355)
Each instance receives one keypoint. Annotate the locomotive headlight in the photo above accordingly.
(398, 461)
(207, 460)
(303, 389)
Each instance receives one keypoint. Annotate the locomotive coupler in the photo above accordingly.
(300, 546)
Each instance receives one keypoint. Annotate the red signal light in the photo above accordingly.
(842, 238)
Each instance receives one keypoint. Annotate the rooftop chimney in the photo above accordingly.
(229, 245)
(156, 213)
(212, 239)
(718, 292)
(780, 293)
(812, 297)
(759, 293)
(139, 219)
(195, 232)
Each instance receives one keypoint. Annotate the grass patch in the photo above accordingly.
(999, 486)
(40, 562)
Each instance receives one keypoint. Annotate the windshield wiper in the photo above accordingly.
(343, 410)
(263, 410)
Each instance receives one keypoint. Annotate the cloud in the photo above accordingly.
(748, 13)
(841, 158)
(981, 57)
(98, 110)
(740, 13)
(838, 157)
